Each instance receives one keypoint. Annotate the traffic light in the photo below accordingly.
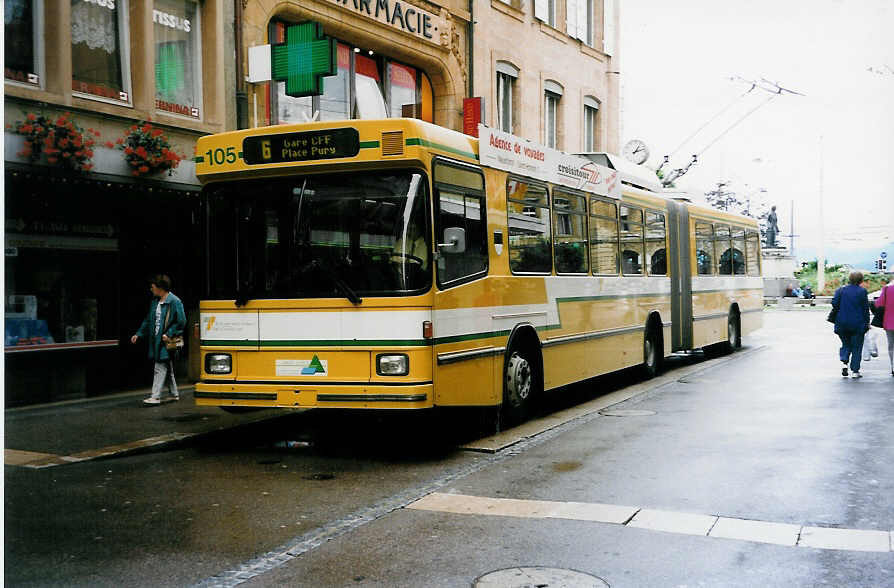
(883, 265)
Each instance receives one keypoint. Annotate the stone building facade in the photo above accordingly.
(549, 70)
(395, 57)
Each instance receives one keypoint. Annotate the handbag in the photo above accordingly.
(174, 343)
(833, 314)
(878, 312)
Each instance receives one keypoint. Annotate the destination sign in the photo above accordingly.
(303, 146)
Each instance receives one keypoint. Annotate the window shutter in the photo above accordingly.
(571, 13)
(583, 21)
(541, 10)
(608, 27)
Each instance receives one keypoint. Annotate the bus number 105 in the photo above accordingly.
(220, 156)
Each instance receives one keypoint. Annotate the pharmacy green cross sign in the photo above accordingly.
(304, 59)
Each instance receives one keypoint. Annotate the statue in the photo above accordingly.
(772, 228)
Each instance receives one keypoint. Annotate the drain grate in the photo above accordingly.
(538, 577)
(626, 413)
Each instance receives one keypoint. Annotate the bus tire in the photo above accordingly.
(521, 384)
(733, 332)
(653, 352)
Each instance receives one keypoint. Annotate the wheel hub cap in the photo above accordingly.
(518, 378)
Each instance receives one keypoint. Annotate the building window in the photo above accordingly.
(591, 110)
(545, 10)
(336, 99)
(23, 45)
(100, 50)
(178, 57)
(579, 20)
(551, 98)
(507, 75)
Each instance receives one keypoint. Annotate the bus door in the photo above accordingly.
(681, 276)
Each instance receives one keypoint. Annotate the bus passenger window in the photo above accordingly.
(461, 204)
(656, 246)
(722, 250)
(631, 241)
(529, 228)
(704, 248)
(738, 251)
(604, 237)
(752, 253)
(570, 233)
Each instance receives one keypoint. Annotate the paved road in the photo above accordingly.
(769, 446)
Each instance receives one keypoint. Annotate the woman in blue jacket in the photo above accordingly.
(851, 307)
(166, 319)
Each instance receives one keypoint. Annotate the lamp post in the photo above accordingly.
(821, 253)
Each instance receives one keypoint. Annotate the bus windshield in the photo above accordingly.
(340, 235)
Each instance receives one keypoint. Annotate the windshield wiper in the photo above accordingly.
(340, 284)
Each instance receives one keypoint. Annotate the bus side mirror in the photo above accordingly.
(454, 240)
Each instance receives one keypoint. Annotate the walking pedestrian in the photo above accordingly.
(885, 302)
(165, 320)
(850, 306)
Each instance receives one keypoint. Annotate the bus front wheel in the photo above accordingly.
(520, 385)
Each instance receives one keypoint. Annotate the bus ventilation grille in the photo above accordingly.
(393, 143)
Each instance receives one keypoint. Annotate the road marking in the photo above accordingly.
(660, 520)
(756, 531)
(34, 460)
(17, 457)
(845, 539)
(673, 522)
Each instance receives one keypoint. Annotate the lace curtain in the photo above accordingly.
(94, 25)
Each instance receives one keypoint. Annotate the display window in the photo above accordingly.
(60, 291)
(178, 57)
(22, 32)
(366, 86)
(100, 55)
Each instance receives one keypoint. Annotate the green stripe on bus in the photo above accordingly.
(199, 159)
(369, 144)
(432, 145)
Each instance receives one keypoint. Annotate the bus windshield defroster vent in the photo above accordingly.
(393, 143)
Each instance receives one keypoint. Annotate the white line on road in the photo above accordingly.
(659, 520)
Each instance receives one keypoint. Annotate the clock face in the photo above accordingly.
(636, 151)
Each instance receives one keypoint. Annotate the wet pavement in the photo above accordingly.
(769, 445)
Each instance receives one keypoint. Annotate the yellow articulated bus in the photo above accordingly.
(395, 264)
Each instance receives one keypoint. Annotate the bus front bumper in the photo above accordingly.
(360, 396)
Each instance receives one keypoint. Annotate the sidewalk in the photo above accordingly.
(80, 430)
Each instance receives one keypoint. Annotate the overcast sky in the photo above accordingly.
(677, 59)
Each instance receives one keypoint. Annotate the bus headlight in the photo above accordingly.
(218, 363)
(394, 364)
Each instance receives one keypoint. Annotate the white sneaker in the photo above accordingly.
(856, 375)
(152, 401)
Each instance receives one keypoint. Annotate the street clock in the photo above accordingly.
(636, 151)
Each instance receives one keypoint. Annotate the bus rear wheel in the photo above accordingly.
(652, 353)
(733, 332)
(520, 385)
